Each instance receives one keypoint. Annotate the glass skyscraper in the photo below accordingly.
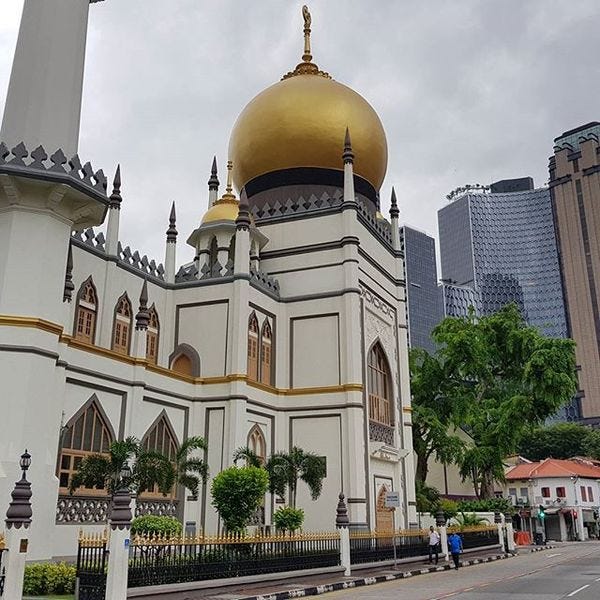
(424, 301)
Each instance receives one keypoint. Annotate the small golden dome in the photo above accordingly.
(222, 211)
(301, 121)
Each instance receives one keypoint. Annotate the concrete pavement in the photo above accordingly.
(569, 571)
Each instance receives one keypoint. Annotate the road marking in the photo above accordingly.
(553, 555)
(578, 590)
(597, 579)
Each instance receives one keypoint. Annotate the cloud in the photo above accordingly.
(468, 91)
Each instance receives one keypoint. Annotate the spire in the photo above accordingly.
(394, 210)
(115, 197)
(307, 56)
(243, 218)
(229, 187)
(213, 182)
(69, 285)
(143, 316)
(172, 231)
(348, 155)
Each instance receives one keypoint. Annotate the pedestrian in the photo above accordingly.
(456, 547)
(434, 545)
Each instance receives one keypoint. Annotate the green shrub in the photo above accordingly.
(490, 505)
(49, 578)
(155, 525)
(237, 492)
(448, 507)
(288, 519)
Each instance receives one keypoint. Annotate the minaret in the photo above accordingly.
(142, 319)
(213, 184)
(348, 157)
(394, 214)
(43, 104)
(170, 251)
(114, 212)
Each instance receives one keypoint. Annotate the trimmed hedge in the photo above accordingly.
(49, 578)
(152, 524)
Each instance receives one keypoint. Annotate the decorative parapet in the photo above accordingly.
(162, 508)
(379, 226)
(37, 165)
(264, 281)
(72, 509)
(296, 206)
(148, 267)
(187, 273)
(89, 238)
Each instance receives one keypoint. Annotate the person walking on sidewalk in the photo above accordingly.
(434, 545)
(456, 547)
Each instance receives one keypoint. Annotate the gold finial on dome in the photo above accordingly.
(306, 67)
(229, 186)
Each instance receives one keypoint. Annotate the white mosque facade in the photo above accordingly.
(287, 329)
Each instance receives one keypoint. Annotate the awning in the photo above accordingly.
(551, 511)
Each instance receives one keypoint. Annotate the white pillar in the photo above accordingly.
(114, 214)
(345, 550)
(213, 184)
(43, 104)
(394, 214)
(510, 536)
(579, 522)
(15, 555)
(444, 542)
(171, 249)
(118, 556)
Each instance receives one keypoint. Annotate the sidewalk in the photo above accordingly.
(312, 585)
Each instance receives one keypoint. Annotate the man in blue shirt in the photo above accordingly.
(455, 545)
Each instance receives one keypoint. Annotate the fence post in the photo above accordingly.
(510, 536)
(16, 541)
(498, 518)
(440, 522)
(118, 556)
(341, 522)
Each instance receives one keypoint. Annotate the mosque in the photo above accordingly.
(288, 327)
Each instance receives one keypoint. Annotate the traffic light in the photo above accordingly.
(541, 513)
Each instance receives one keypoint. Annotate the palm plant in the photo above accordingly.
(465, 520)
(245, 453)
(188, 471)
(285, 469)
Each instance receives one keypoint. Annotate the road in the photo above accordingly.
(570, 571)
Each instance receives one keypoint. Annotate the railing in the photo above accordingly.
(373, 546)
(2, 567)
(477, 536)
(92, 559)
(162, 560)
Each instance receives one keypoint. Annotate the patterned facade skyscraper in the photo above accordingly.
(502, 245)
(575, 189)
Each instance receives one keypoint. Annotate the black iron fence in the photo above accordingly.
(92, 559)
(161, 560)
(476, 537)
(2, 566)
(373, 546)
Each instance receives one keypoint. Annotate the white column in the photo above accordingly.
(15, 555)
(43, 104)
(112, 230)
(443, 531)
(345, 550)
(510, 535)
(118, 556)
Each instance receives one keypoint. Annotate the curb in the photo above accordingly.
(317, 590)
(541, 548)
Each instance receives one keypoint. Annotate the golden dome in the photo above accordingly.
(222, 210)
(301, 121)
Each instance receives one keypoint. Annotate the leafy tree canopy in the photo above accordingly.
(562, 440)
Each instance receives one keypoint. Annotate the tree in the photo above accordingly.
(562, 440)
(237, 492)
(285, 469)
(188, 471)
(503, 377)
(427, 497)
(245, 453)
(148, 468)
(434, 413)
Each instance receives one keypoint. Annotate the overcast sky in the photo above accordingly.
(468, 91)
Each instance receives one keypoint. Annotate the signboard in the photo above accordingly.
(392, 499)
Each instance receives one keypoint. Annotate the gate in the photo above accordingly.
(92, 559)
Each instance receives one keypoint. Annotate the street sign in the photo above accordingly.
(392, 499)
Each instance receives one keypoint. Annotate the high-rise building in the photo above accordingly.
(498, 245)
(424, 301)
(575, 189)
(501, 243)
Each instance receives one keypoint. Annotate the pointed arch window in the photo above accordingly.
(161, 438)
(265, 353)
(152, 336)
(380, 396)
(86, 433)
(257, 443)
(122, 325)
(85, 314)
(253, 347)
